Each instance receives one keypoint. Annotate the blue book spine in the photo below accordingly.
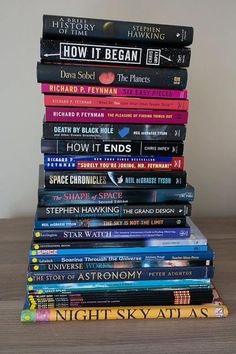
(48, 197)
(134, 233)
(119, 285)
(50, 257)
(124, 274)
(86, 251)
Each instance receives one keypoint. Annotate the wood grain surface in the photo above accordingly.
(132, 336)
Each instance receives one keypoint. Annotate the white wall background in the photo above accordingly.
(211, 139)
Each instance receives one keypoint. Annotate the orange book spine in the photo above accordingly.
(125, 313)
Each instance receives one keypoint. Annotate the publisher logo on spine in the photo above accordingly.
(153, 57)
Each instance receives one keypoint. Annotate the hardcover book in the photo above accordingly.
(93, 53)
(68, 27)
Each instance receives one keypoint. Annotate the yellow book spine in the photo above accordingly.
(124, 313)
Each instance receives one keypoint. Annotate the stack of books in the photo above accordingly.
(113, 238)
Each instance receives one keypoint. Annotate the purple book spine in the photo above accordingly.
(97, 115)
(132, 233)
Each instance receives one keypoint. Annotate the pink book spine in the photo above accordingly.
(65, 89)
(96, 115)
(115, 102)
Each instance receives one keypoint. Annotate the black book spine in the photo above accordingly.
(114, 179)
(47, 225)
(67, 27)
(133, 148)
(167, 78)
(115, 132)
(121, 274)
(96, 265)
(93, 53)
(112, 211)
(136, 196)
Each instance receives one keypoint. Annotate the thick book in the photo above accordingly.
(110, 147)
(93, 53)
(114, 179)
(80, 28)
(167, 134)
(91, 90)
(211, 310)
(114, 102)
(115, 211)
(166, 78)
(123, 162)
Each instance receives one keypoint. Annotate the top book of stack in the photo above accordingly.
(74, 28)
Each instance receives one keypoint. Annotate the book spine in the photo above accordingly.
(98, 115)
(114, 250)
(77, 245)
(108, 275)
(124, 313)
(113, 303)
(166, 78)
(80, 303)
(101, 265)
(107, 223)
(136, 233)
(63, 27)
(138, 257)
(144, 242)
(101, 162)
(66, 89)
(108, 147)
(114, 179)
(74, 197)
(113, 102)
(116, 285)
(93, 53)
(114, 211)
(116, 131)
(136, 293)
(160, 295)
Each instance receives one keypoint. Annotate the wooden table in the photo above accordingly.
(152, 336)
